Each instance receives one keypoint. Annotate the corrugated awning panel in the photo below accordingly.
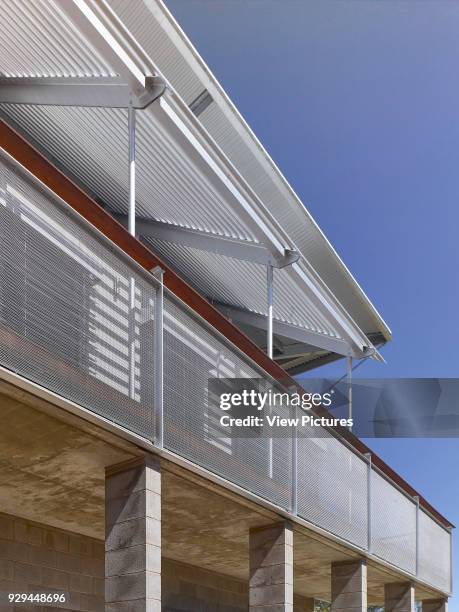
(93, 144)
(176, 58)
(39, 40)
(243, 284)
(292, 216)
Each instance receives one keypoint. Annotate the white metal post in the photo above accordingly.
(269, 329)
(416, 501)
(159, 357)
(295, 465)
(349, 382)
(269, 347)
(131, 315)
(131, 130)
(369, 501)
(270, 446)
(132, 336)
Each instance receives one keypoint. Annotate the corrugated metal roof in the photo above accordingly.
(94, 144)
(174, 55)
(39, 40)
(203, 178)
(137, 17)
(244, 285)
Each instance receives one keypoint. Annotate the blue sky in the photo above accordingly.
(357, 101)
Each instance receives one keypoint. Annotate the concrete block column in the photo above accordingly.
(271, 568)
(435, 605)
(133, 536)
(349, 586)
(399, 597)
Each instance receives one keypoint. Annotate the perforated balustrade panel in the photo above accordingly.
(434, 553)
(193, 354)
(332, 487)
(393, 524)
(75, 317)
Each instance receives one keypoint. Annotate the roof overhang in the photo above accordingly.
(224, 215)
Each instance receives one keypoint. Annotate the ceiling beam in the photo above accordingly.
(204, 241)
(107, 92)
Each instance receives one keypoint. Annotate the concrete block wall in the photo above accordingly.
(186, 588)
(37, 558)
(189, 588)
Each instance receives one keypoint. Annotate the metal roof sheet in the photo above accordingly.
(93, 143)
(243, 285)
(191, 172)
(174, 55)
(38, 39)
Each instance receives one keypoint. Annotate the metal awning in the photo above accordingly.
(210, 223)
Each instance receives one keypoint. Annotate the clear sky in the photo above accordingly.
(357, 101)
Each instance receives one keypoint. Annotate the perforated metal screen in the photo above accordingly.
(332, 488)
(434, 553)
(393, 524)
(78, 318)
(74, 316)
(193, 354)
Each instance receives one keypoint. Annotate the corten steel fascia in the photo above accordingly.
(33, 161)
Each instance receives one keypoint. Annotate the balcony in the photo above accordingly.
(80, 318)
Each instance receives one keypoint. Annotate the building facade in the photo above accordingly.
(149, 245)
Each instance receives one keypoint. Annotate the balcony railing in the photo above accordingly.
(80, 318)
